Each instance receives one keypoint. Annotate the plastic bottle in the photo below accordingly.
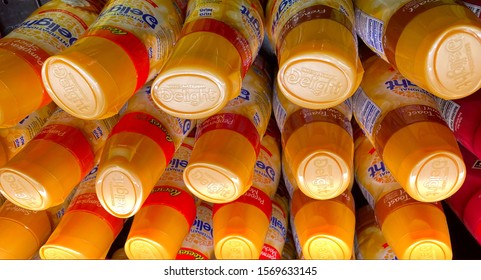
(434, 44)
(414, 229)
(318, 146)
(125, 47)
(289, 251)
(199, 242)
(43, 173)
(474, 6)
(466, 203)
(87, 230)
(316, 47)
(218, 43)
(14, 139)
(464, 118)
(165, 218)
(370, 242)
(406, 128)
(227, 144)
(240, 226)
(47, 31)
(136, 153)
(277, 233)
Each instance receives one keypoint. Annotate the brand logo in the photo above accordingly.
(175, 163)
(321, 84)
(244, 94)
(283, 6)
(266, 170)
(19, 190)
(186, 126)
(323, 175)
(253, 21)
(460, 62)
(376, 168)
(202, 226)
(438, 177)
(278, 225)
(149, 19)
(210, 184)
(71, 90)
(118, 191)
(50, 26)
(193, 95)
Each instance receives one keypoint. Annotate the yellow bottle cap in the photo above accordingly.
(201, 76)
(319, 67)
(221, 166)
(424, 158)
(40, 176)
(22, 232)
(239, 231)
(130, 165)
(157, 232)
(21, 89)
(418, 231)
(79, 235)
(325, 227)
(91, 79)
(445, 42)
(321, 157)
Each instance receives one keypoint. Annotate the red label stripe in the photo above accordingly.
(269, 253)
(254, 197)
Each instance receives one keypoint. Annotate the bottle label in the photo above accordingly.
(366, 111)
(276, 234)
(238, 21)
(370, 30)
(190, 254)
(145, 30)
(287, 182)
(394, 200)
(280, 113)
(269, 253)
(234, 122)
(145, 124)
(449, 110)
(173, 197)
(254, 197)
(476, 9)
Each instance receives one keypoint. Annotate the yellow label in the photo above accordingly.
(277, 232)
(267, 171)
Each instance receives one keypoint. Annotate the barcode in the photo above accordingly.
(370, 30)
(449, 110)
(474, 8)
(280, 113)
(365, 110)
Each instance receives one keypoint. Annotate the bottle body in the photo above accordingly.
(228, 143)
(316, 47)
(405, 126)
(218, 44)
(125, 47)
(50, 29)
(136, 153)
(434, 33)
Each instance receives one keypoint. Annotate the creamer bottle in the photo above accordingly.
(406, 128)
(370, 242)
(240, 227)
(227, 144)
(198, 244)
(22, 231)
(414, 229)
(316, 47)
(464, 119)
(277, 233)
(13, 139)
(289, 250)
(136, 153)
(87, 230)
(47, 31)
(125, 47)
(166, 217)
(46, 170)
(317, 145)
(466, 203)
(218, 44)
(435, 44)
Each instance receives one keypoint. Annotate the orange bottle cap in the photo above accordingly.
(424, 158)
(157, 232)
(221, 166)
(79, 235)
(130, 165)
(317, 68)
(92, 79)
(321, 159)
(201, 76)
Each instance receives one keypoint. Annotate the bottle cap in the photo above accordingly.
(472, 216)
(424, 158)
(40, 176)
(325, 228)
(446, 43)
(22, 234)
(130, 165)
(239, 231)
(319, 67)
(157, 232)
(221, 166)
(79, 235)
(21, 89)
(418, 231)
(321, 157)
(201, 76)
(91, 79)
